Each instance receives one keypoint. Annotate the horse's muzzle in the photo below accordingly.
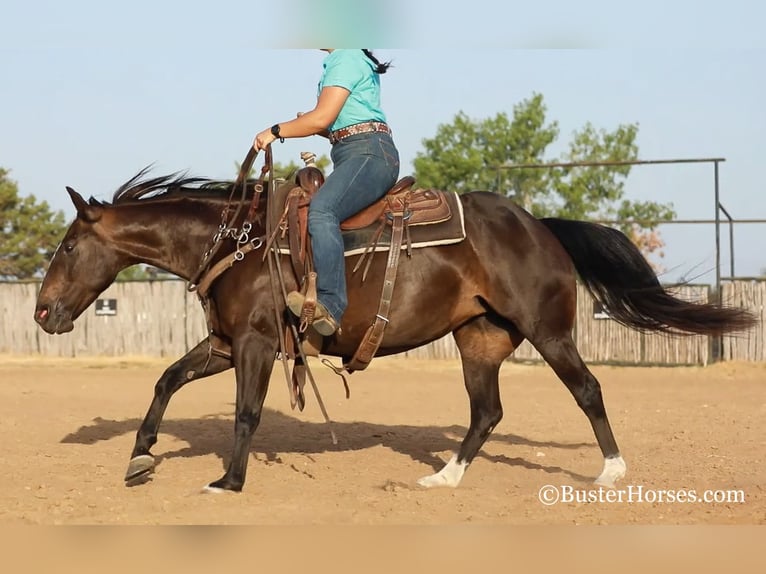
(53, 322)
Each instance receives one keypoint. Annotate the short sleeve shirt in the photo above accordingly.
(355, 72)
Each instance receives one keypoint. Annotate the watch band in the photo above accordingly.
(275, 133)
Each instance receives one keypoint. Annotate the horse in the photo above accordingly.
(512, 278)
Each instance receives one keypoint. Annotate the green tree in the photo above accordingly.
(592, 191)
(31, 232)
(598, 191)
(466, 155)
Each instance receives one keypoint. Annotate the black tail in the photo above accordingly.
(617, 275)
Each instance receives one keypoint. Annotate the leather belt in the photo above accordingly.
(363, 128)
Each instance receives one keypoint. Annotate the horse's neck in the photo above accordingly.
(172, 238)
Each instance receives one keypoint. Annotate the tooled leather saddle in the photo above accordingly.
(403, 219)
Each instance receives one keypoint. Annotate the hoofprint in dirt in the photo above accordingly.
(686, 433)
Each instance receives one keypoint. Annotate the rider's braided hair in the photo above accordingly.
(379, 68)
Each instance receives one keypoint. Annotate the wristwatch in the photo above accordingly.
(275, 133)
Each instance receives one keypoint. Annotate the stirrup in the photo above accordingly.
(311, 313)
(301, 308)
(304, 305)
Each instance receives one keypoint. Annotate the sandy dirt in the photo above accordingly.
(69, 426)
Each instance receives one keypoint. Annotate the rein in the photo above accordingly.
(206, 274)
(226, 229)
(278, 289)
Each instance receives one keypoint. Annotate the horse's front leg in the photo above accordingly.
(196, 364)
(254, 355)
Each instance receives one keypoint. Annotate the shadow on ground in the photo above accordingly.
(280, 434)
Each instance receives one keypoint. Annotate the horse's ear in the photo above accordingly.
(85, 211)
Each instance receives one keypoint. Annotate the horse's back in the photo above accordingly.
(495, 223)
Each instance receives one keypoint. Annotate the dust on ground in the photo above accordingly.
(69, 427)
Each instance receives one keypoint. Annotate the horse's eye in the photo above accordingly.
(69, 247)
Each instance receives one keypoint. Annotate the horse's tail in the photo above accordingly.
(617, 275)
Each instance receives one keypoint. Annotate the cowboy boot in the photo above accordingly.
(321, 321)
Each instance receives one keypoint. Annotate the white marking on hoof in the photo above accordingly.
(614, 470)
(450, 475)
(207, 489)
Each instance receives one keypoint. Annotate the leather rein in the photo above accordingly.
(203, 278)
(206, 274)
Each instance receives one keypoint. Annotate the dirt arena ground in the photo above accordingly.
(68, 428)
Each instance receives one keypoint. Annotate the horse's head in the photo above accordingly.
(85, 263)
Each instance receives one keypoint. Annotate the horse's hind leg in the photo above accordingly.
(484, 343)
(560, 352)
(196, 364)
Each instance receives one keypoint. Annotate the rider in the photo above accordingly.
(365, 166)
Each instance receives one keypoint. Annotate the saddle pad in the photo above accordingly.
(443, 233)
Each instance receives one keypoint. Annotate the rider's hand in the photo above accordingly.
(263, 139)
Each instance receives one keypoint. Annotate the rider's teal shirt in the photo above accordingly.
(352, 70)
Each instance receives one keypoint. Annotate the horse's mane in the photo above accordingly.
(140, 186)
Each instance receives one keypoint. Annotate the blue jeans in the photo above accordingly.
(365, 167)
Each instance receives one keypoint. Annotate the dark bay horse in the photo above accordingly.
(512, 278)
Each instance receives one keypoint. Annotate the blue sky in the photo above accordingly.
(91, 92)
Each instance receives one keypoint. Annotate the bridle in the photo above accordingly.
(227, 228)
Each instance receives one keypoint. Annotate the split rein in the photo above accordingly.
(206, 274)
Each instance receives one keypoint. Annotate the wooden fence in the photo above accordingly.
(160, 318)
(750, 346)
(152, 318)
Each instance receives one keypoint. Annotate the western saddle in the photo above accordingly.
(400, 208)
(384, 225)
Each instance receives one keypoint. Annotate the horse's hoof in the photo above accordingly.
(220, 486)
(433, 481)
(614, 470)
(449, 476)
(139, 466)
(210, 489)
